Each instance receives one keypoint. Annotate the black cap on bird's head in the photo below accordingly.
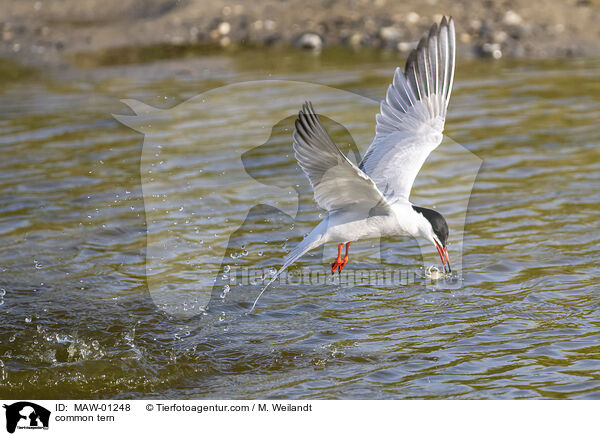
(440, 229)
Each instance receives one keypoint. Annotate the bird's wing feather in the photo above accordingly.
(412, 116)
(337, 183)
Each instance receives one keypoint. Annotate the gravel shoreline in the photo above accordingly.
(43, 33)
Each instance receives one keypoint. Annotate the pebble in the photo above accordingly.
(356, 40)
(518, 32)
(500, 37)
(491, 50)
(310, 41)
(406, 46)
(270, 25)
(389, 33)
(370, 25)
(224, 28)
(511, 18)
(475, 25)
(412, 17)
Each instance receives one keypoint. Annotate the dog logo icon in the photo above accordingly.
(26, 415)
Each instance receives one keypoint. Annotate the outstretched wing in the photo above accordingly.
(413, 113)
(337, 183)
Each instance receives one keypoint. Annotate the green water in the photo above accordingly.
(79, 313)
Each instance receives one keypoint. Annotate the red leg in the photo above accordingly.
(338, 262)
(345, 260)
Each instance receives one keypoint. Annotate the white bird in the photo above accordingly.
(371, 200)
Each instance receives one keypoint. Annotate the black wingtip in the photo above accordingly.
(446, 20)
(412, 56)
(422, 44)
(307, 108)
(433, 31)
(412, 62)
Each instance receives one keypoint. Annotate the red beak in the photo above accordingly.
(443, 252)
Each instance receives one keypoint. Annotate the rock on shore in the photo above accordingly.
(43, 32)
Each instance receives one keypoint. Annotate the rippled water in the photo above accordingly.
(79, 313)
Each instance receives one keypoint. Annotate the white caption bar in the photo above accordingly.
(266, 417)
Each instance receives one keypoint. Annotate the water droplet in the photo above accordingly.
(2, 292)
(27, 319)
(260, 253)
(12, 338)
(226, 268)
(225, 291)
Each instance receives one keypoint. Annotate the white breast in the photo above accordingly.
(354, 225)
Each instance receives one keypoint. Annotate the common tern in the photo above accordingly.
(371, 200)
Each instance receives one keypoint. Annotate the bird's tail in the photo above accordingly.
(313, 240)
